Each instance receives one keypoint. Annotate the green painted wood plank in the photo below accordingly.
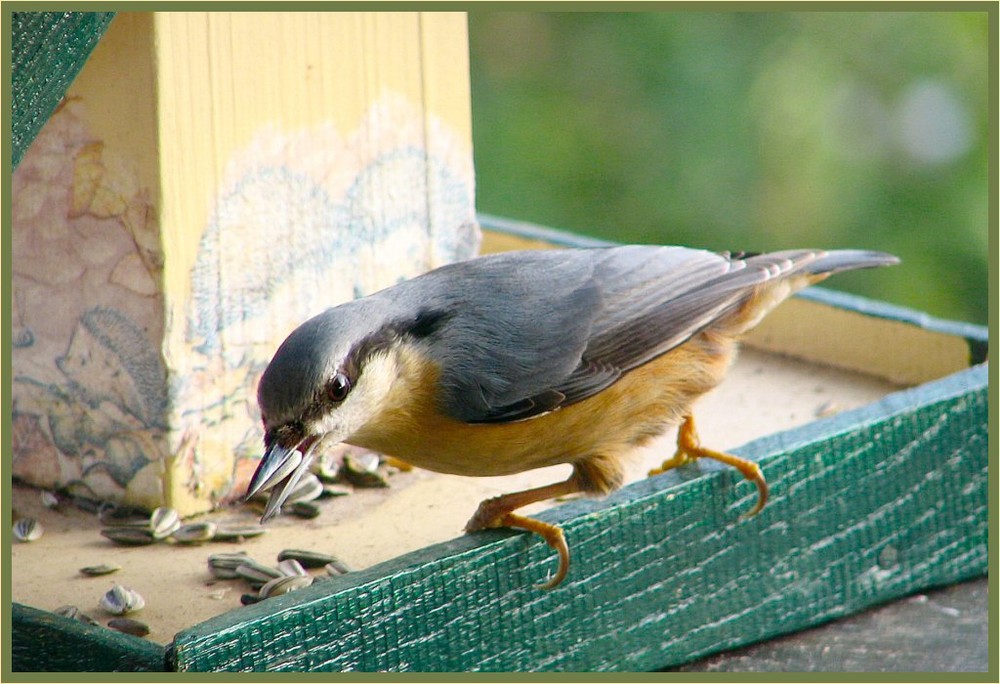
(48, 50)
(866, 506)
(46, 642)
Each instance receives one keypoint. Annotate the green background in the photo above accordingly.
(748, 131)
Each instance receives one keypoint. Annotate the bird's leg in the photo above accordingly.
(498, 512)
(689, 448)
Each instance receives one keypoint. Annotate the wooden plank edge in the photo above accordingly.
(474, 593)
(45, 642)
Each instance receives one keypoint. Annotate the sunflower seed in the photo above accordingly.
(337, 567)
(129, 626)
(223, 565)
(291, 462)
(98, 570)
(74, 613)
(163, 522)
(283, 585)
(128, 536)
(290, 567)
(308, 488)
(827, 408)
(194, 533)
(237, 532)
(122, 516)
(308, 559)
(120, 600)
(255, 572)
(247, 599)
(332, 490)
(28, 530)
(305, 509)
(360, 471)
(327, 471)
(50, 499)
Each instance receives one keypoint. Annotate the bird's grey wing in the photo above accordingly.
(516, 327)
(636, 327)
(530, 332)
(648, 301)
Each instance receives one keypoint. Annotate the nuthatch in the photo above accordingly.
(521, 360)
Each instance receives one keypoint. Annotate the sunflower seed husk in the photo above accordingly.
(259, 573)
(122, 516)
(74, 613)
(290, 567)
(194, 533)
(308, 488)
(358, 470)
(129, 536)
(237, 532)
(163, 522)
(364, 460)
(28, 530)
(327, 471)
(98, 570)
(50, 499)
(85, 504)
(129, 626)
(247, 599)
(291, 462)
(827, 408)
(120, 600)
(337, 567)
(308, 559)
(305, 509)
(283, 585)
(332, 490)
(223, 565)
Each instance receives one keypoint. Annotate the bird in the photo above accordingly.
(519, 360)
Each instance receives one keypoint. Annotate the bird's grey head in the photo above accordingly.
(328, 380)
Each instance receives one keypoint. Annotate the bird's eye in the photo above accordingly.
(338, 387)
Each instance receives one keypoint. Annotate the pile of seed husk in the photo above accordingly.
(132, 527)
(290, 573)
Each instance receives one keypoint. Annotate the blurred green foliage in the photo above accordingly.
(751, 131)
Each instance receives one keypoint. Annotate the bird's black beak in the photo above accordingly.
(279, 471)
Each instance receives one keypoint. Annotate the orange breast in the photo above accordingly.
(638, 407)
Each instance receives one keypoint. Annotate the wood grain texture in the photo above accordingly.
(46, 642)
(866, 506)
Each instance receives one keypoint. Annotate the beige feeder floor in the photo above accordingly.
(762, 394)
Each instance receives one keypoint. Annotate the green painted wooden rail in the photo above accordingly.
(867, 506)
(45, 642)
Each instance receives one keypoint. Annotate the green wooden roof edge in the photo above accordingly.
(48, 49)
(867, 506)
(45, 642)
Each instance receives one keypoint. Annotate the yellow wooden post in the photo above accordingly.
(210, 181)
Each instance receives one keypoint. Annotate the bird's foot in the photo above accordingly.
(496, 512)
(689, 449)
